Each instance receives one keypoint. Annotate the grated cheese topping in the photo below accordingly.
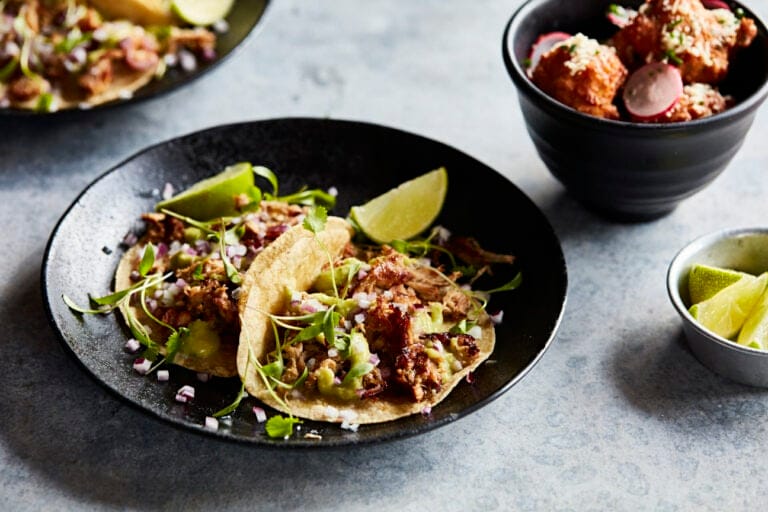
(583, 51)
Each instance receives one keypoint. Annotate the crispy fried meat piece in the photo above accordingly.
(163, 228)
(582, 74)
(699, 40)
(416, 372)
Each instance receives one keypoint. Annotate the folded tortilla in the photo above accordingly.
(224, 361)
(295, 265)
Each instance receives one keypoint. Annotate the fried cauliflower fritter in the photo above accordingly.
(583, 74)
(698, 40)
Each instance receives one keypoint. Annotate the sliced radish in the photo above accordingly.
(652, 91)
(620, 16)
(542, 45)
(715, 4)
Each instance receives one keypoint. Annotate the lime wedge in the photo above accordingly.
(725, 312)
(754, 333)
(405, 211)
(705, 281)
(202, 12)
(212, 197)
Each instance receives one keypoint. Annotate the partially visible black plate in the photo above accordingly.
(361, 160)
(242, 19)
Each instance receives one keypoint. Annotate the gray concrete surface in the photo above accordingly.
(618, 415)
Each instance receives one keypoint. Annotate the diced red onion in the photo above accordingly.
(261, 415)
(186, 391)
(130, 239)
(470, 378)
(203, 377)
(337, 381)
(187, 60)
(142, 365)
(163, 375)
(332, 352)
(162, 249)
(427, 410)
(181, 283)
(236, 293)
(132, 345)
(387, 294)
(211, 423)
(100, 34)
(171, 60)
(220, 26)
(374, 359)
(167, 191)
(496, 318)
(333, 191)
(208, 54)
(360, 318)
(361, 275)
(437, 345)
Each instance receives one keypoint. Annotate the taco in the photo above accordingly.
(187, 277)
(62, 54)
(378, 337)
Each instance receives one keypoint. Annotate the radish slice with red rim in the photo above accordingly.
(543, 44)
(652, 91)
(620, 16)
(715, 4)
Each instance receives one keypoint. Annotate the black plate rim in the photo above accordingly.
(296, 444)
(138, 98)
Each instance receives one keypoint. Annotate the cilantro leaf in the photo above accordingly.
(316, 219)
(197, 275)
(174, 342)
(277, 426)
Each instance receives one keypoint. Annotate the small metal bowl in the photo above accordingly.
(738, 249)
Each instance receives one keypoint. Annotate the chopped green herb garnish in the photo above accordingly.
(316, 219)
(277, 426)
(147, 260)
(670, 54)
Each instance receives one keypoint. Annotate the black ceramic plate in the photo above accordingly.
(361, 161)
(243, 18)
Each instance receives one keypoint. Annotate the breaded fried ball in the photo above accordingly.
(684, 33)
(583, 74)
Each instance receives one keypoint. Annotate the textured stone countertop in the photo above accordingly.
(617, 415)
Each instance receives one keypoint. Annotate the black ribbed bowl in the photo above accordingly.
(624, 170)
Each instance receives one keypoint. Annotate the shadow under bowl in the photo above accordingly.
(629, 171)
(745, 250)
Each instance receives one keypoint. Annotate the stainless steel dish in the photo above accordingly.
(743, 249)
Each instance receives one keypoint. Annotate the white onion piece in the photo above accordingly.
(163, 375)
(652, 91)
(211, 423)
